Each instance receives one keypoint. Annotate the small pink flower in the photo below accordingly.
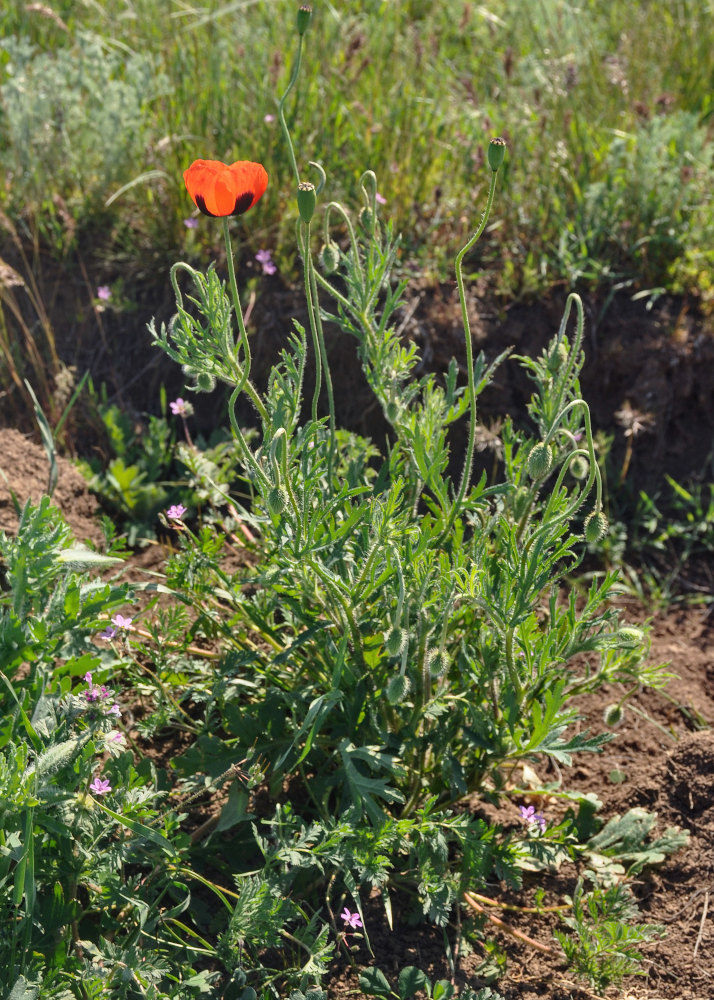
(531, 817)
(108, 633)
(380, 199)
(100, 786)
(351, 919)
(179, 407)
(119, 621)
(104, 293)
(268, 119)
(190, 223)
(265, 259)
(176, 512)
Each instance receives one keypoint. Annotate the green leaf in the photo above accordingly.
(374, 983)
(411, 980)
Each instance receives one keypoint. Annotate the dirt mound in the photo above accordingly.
(24, 472)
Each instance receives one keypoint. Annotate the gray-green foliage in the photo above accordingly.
(78, 111)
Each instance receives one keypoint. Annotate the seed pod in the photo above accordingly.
(205, 382)
(596, 526)
(496, 153)
(304, 16)
(540, 461)
(307, 200)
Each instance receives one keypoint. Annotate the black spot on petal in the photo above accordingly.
(243, 203)
(201, 202)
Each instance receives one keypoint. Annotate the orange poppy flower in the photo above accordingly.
(220, 189)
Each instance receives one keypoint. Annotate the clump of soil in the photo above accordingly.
(24, 472)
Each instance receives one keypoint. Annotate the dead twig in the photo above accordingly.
(502, 925)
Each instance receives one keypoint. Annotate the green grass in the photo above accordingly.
(607, 110)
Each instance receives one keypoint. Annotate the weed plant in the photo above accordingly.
(348, 651)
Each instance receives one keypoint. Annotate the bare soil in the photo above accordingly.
(661, 362)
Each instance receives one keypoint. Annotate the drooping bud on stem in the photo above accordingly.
(306, 199)
(330, 257)
(540, 460)
(596, 526)
(304, 16)
(496, 153)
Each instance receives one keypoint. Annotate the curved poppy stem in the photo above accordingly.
(244, 383)
(468, 460)
(281, 110)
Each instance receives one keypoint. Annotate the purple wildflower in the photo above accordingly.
(351, 919)
(179, 407)
(531, 817)
(176, 512)
(190, 223)
(108, 633)
(265, 259)
(380, 199)
(269, 118)
(104, 293)
(100, 786)
(119, 621)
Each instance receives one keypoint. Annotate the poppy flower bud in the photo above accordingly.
(330, 257)
(540, 460)
(306, 199)
(277, 500)
(396, 641)
(397, 689)
(366, 220)
(496, 153)
(304, 15)
(205, 382)
(629, 637)
(613, 715)
(579, 467)
(596, 526)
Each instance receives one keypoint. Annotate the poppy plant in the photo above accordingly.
(221, 189)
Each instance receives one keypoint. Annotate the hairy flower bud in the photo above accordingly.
(366, 220)
(397, 688)
(496, 153)
(330, 257)
(304, 16)
(306, 199)
(613, 715)
(629, 637)
(395, 642)
(540, 461)
(579, 467)
(277, 500)
(596, 526)
(205, 382)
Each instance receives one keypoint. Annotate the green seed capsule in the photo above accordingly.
(307, 200)
(496, 153)
(304, 16)
(579, 467)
